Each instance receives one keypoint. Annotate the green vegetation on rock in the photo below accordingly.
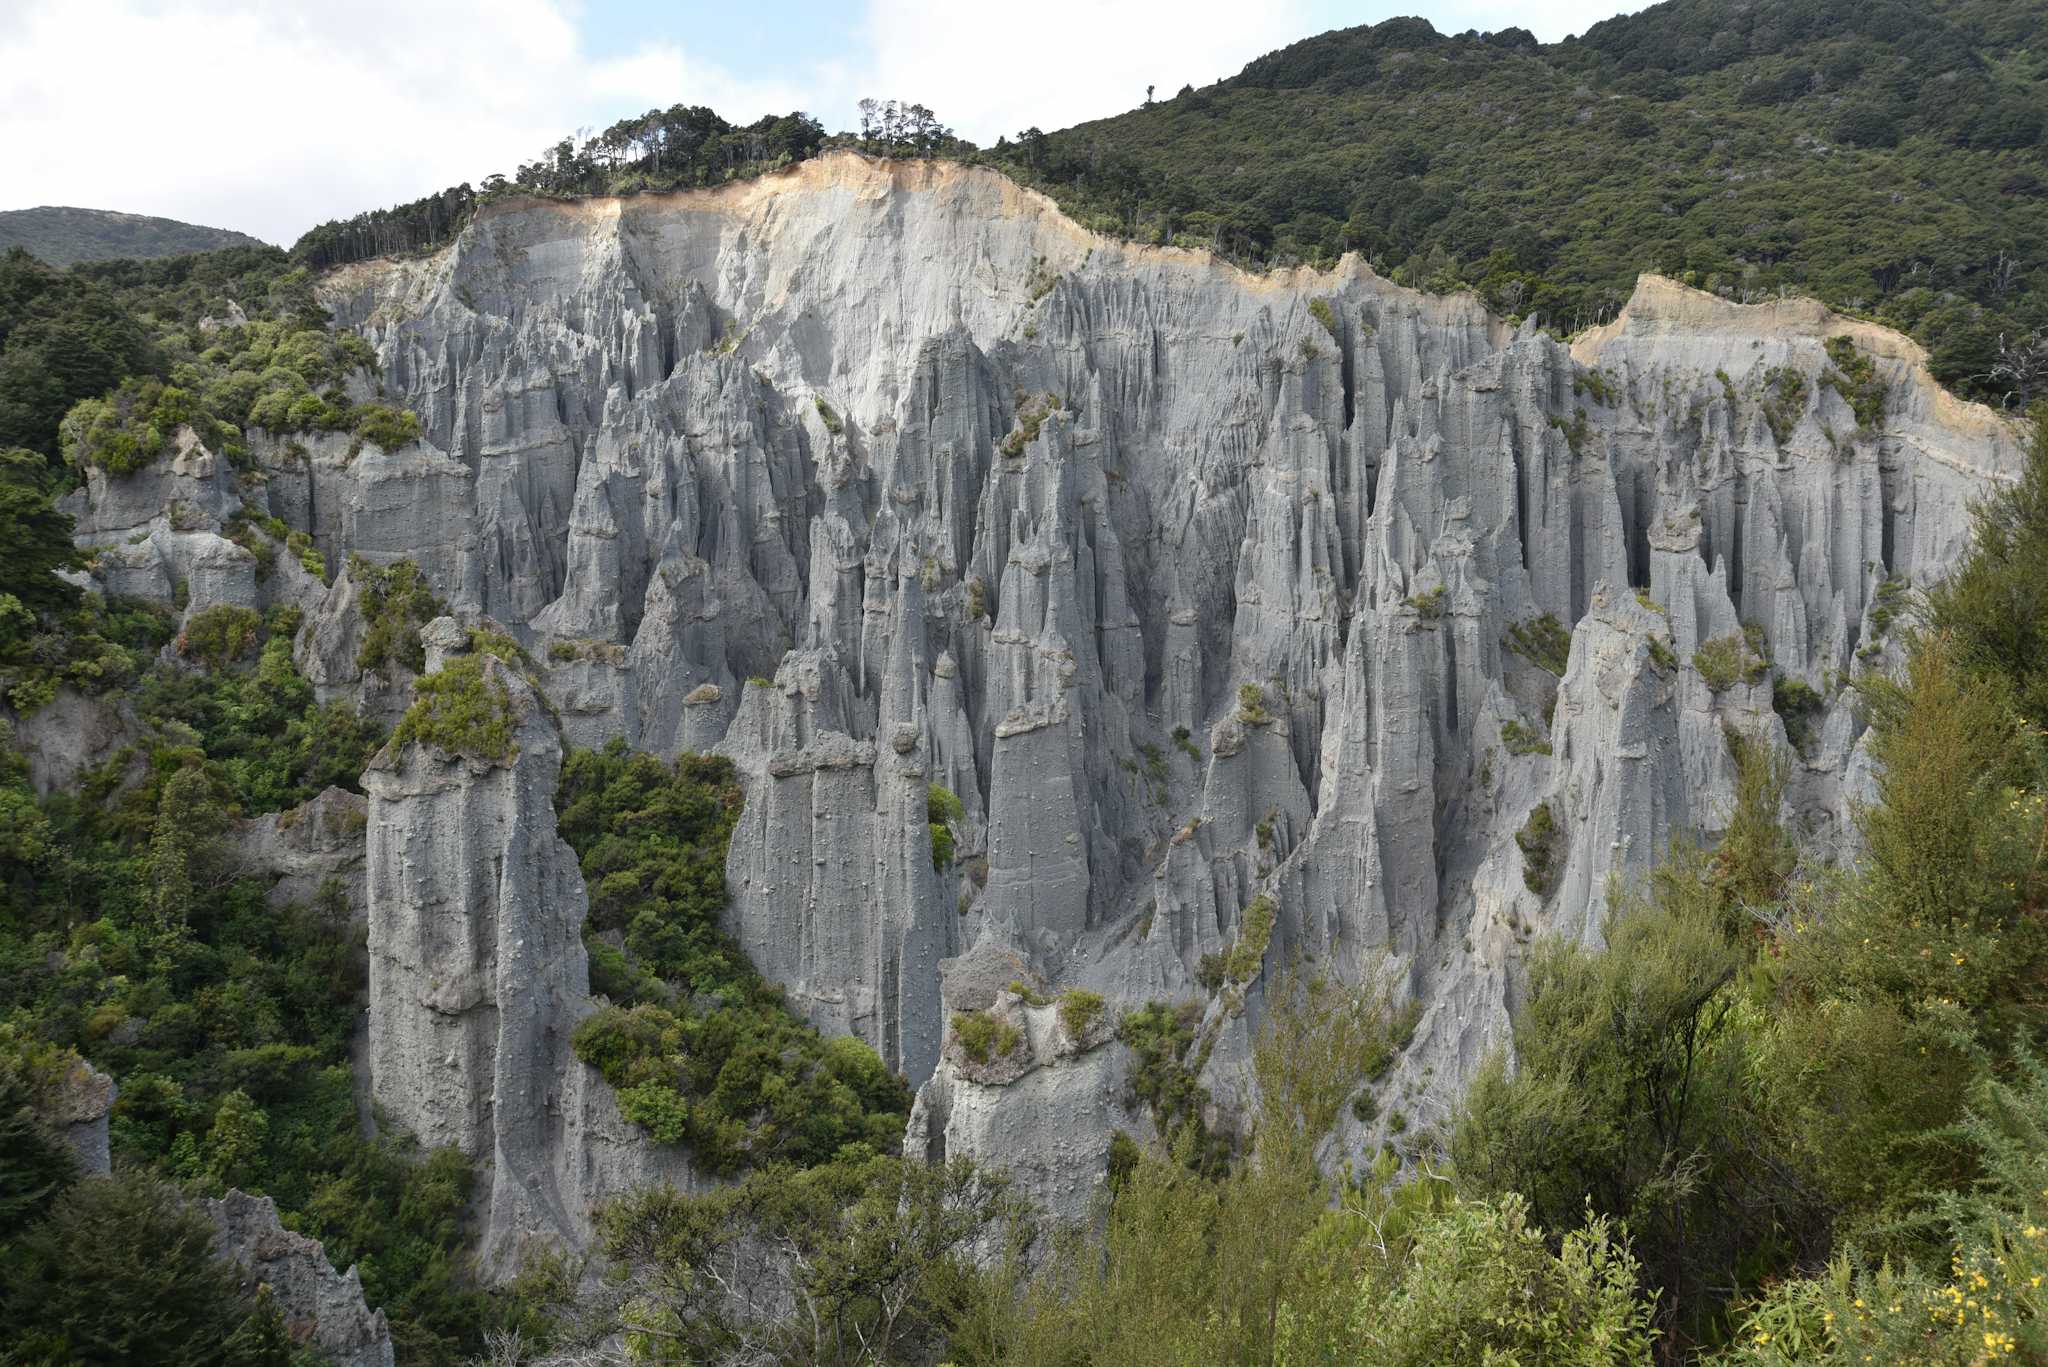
(704, 1053)
(462, 709)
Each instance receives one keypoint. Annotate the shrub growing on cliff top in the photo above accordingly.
(983, 1037)
(461, 709)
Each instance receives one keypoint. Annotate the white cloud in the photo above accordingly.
(274, 116)
(991, 69)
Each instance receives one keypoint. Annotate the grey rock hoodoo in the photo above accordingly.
(478, 976)
(1196, 587)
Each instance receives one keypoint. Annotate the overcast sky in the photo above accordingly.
(272, 115)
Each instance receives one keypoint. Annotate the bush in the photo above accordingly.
(1783, 402)
(1540, 840)
(1727, 660)
(300, 544)
(1031, 417)
(1079, 1010)
(1854, 377)
(396, 603)
(1797, 705)
(463, 709)
(1165, 1078)
(1523, 740)
(123, 1270)
(983, 1038)
(1543, 641)
(943, 811)
(1247, 954)
(220, 635)
(1481, 1284)
(382, 425)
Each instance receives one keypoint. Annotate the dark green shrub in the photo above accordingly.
(1798, 705)
(381, 425)
(220, 635)
(396, 603)
(1523, 740)
(1854, 376)
(1727, 660)
(1783, 402)
(1079, 1009)
(1541, 841)
(983, 1037)
(943, 812)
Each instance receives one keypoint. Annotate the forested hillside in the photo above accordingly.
(1882, 155)
(64, 236)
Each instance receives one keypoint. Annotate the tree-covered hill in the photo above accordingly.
(1884, 155)
(64, 236)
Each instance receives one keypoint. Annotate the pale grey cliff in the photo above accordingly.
(1194, 585)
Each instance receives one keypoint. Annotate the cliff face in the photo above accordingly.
(1194, 586)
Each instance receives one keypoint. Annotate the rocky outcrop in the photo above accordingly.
(1194, 586)
(1043, 1109)
(322, 1309)
(75, 1105)
(478, 977)
(312, 851)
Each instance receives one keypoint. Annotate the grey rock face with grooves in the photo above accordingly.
(875, 476)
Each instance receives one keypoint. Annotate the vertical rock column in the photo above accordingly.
(478, 977)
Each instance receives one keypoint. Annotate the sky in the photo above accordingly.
(269, 116)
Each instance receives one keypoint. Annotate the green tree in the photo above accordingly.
(860, 1260)
(122, 1272)
(35, 539)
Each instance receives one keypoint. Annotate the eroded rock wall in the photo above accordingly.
(1194, 586)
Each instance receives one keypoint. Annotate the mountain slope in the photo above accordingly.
(63, 236)
(1884, 156)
